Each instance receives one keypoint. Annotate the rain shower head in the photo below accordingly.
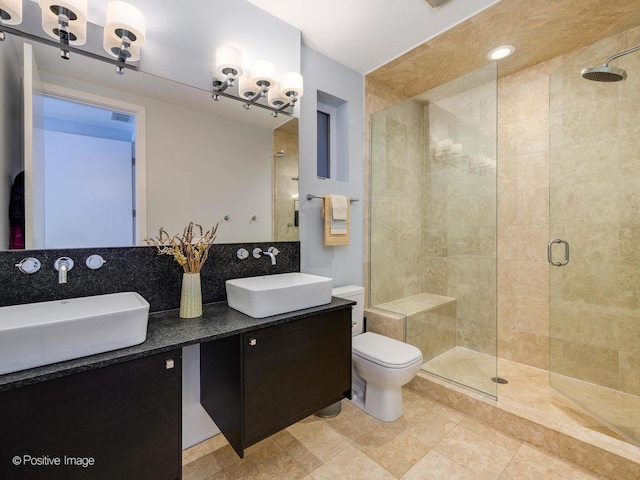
(605, 73)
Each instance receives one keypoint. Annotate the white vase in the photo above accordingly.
(191, 296)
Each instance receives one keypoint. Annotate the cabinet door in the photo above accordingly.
(293, 370)
(126, 417)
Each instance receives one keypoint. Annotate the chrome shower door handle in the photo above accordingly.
(566, 253)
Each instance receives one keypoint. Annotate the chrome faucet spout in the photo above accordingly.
(273, 257)
(63, 265)
(62, 272)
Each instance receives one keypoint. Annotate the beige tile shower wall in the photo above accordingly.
(285, 168)
(523, 215)
(595, 205)
(460, 229)
(377, 98)
(398, 203)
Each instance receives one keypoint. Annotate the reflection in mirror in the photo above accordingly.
(195, 159)
(285, 182)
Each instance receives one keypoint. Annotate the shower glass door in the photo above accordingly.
(595, 208)
(433, 225)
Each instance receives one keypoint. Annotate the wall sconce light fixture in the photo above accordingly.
(260, 87)
(124, 32)
(65, 20)
(10, 13)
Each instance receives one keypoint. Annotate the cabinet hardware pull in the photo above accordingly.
(169, 364)
(253, 342)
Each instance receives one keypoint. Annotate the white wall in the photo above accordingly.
(344, 263)
(88, 191)
(10, 137)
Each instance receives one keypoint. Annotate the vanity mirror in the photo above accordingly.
(195, 159)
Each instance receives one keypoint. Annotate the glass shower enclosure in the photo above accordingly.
(433, 225)
(595, 210)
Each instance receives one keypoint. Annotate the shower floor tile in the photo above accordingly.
(467, 367)
(529, 391)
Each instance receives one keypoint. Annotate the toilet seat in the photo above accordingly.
(384, 351)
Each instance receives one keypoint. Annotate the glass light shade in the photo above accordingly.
(77, 32)
(291, 82)
(79, 8)
(263, 71)
(124, 16)
(11, 12)
(219, 77)
(247, 88)
(112, 45)
(228, 57)
(276, 98)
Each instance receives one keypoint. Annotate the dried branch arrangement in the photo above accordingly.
(189, 251)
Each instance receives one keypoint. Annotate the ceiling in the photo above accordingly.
(365, 34)
(539, 29)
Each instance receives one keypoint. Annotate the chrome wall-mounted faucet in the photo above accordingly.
(63, 265)
(271, 252)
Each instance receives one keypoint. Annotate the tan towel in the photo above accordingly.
(334, 239)
(339, 214)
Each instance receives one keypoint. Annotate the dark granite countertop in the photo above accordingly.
(166, 331)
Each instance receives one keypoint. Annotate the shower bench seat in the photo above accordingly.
(425, 320)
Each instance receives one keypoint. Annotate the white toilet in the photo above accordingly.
(380, 365)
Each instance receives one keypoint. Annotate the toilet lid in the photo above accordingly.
(385, 351)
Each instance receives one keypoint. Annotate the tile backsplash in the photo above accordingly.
(156, 277)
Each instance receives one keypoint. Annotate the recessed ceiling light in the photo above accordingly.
(501, 52)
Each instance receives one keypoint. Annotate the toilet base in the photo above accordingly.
(382, 403)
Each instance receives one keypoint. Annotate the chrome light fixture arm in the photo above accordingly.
(70, 48)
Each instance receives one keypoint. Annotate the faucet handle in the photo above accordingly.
(273, 250)
(95, 261)
(257, 252)
(29, 265)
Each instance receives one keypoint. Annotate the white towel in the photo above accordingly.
(339, 213)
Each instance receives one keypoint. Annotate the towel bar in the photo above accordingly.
(311, 197)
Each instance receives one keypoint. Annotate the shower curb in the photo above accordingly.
(589, 456)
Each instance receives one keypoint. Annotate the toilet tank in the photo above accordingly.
(355, 293)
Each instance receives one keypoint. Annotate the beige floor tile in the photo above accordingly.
(531, 464)
(492, 434)
(271, 462)
(429, 422)
(485, 457)
(296, 450)
(202, 468)
(396, 452)
(227, 456)
(434, 466)
(351, 464)
(352, 422)
(314, 439)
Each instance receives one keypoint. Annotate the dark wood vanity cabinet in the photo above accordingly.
(126, 417)
(257, 383)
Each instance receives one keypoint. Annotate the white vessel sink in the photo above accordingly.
(281, 293)
(37, 334)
